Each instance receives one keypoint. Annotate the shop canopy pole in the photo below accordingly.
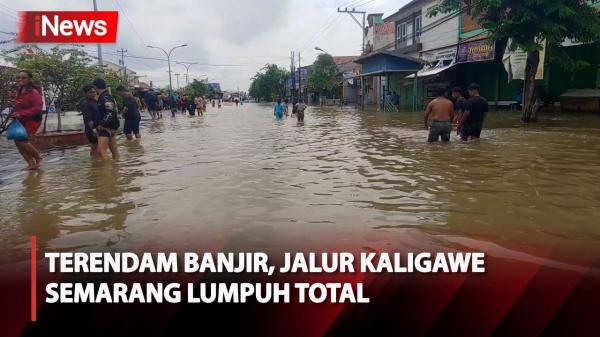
(414, 103)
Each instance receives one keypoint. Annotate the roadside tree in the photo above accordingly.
(529, 24)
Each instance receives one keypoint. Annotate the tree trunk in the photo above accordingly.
(45, 120)
(529, 93)
(58, 109)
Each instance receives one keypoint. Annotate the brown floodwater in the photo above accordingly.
(237, 178)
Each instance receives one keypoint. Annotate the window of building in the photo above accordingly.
(402, 32)
(409, 34)
(418, 26)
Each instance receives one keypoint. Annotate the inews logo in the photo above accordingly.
(68, 27)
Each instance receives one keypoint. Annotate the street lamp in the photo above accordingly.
(169, 62)
(319, 49)
(187, 66)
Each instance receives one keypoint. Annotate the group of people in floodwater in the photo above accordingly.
(451, 107)
(100, 113)
(156, 102)
(281, 109)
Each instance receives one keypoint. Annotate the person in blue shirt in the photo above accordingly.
(279, 109)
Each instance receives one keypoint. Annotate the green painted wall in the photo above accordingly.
(586, 78)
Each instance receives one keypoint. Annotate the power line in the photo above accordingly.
(8, 8)
(131, 23)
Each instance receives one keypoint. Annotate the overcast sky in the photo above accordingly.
(232, 39)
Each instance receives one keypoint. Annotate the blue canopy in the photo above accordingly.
(385, 62)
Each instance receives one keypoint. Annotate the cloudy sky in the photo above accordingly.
(230, 39)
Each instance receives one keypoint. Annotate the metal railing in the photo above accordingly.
(388, 105)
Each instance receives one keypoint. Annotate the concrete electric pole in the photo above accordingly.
(100, 63)
(123, 68)
(177, 77)
(351, 12)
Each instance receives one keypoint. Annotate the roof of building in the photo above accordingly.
(339, 60)
(385, 28)
(394, 53)
(405, 10)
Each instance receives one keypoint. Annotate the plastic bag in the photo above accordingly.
(16, 131)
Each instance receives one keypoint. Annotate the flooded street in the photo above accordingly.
(238, 178)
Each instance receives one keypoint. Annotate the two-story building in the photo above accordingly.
(455, 50)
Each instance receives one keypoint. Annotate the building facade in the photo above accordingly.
(456, 51)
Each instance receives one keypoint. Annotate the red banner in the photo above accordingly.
(68, 27)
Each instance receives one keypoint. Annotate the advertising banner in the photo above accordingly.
(515, 61)
(475, 51)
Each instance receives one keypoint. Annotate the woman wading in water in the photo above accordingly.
(28, 111)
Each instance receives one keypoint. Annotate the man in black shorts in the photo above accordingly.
(472, 120)
(107, 121)
(89, 109)
(131, 114)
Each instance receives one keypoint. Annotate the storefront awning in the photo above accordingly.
(381, 63)
(431, 71)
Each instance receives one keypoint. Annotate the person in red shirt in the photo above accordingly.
(28, 111)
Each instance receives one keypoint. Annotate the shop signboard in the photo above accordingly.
(475, 51)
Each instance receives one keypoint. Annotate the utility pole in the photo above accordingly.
(293, 72)
(299, 78)
(100, 63)
(351, 12)
(177, 77)
(123, 68)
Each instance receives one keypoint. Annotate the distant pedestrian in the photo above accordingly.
(89, 109)
(476, 110)
(151, 101)
(300, 108)
(160, 104)
(441, 112)
(294, 104)
(190, 105)
(278, 109)
(181, 104)
(199, 105)
(173, 104)
(131, 114)
(107, 121)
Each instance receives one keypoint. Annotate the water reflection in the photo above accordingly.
(342, 176)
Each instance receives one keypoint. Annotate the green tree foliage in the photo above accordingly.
(269, 83)
(324, 78)
(199, 88)
(528, 23)
(62, 72)
(7, 86)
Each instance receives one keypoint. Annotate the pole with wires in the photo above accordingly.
(351, 12)
(100, 63)
(122, 62)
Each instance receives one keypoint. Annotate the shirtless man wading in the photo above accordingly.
(441, 112)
